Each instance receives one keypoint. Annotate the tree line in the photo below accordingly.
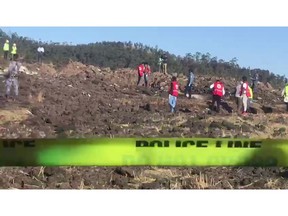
(129, 55)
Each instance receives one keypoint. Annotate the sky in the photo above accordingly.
(255, 47)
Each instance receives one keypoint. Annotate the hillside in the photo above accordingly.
(129, 55)
(79, 100)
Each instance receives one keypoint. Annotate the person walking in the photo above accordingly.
(173, 94)
(6, 49)
(188, 89)
(218, 92)
(12, 76)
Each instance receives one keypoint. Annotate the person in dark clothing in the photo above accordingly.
(255, 80)
(188, 90)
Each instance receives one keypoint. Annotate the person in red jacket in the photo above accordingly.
(140, 69)
(144, 70)
(173, 94)
(147, 72)
(218, 92)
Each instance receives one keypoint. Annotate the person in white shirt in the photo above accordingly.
(40, 52)
(245, 94)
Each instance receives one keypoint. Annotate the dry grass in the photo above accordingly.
(15, 115)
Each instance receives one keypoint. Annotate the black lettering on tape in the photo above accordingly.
(201, 143)
(188, 142)
(178, 143)
(255, 144)
(15, 143)
(142, 143)
(218, 144)
(246, 144)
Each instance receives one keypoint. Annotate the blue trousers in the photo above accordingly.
(172, 102)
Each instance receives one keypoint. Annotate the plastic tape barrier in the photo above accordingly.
(143, 151)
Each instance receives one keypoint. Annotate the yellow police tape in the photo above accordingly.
(144, 151)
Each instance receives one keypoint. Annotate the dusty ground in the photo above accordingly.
(86, 101)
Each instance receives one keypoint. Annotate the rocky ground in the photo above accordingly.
(86, 101)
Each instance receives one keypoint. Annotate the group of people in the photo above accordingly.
(6, 49)
(243, 92)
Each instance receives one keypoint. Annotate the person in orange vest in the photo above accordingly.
(173, 94)
(218, 92)
(245, 94)
(140, 69)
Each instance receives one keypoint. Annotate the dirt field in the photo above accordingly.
(86, 101)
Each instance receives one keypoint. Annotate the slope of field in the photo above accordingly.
(86, 101)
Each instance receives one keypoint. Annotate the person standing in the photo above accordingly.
(140, 69)
(12, 76)
(6, 49)
(147, 72)
(250, 100)
(188, 90)
(173, 94)
(14, 51)
(164, 61)
(245, 94)
(285, 95)
(40, 51)
(218, 92)
(160, 62)
(255, 80)
(238, 98)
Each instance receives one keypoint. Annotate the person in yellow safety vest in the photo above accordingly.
(250, 98)
(285, 95)
(6, 49)
(14, 51)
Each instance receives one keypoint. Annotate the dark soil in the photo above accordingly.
(84, 101)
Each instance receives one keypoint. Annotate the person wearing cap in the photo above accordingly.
(218, 92)
(14, 51)
(6, 49)
(12, 76)
(191, 76)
